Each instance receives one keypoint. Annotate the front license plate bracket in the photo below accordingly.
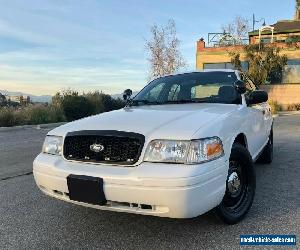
(86, 189)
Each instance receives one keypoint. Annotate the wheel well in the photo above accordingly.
(241, 139)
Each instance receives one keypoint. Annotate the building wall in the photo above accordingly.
(214, 54)
(220, 57)
(284, 94)
(221, 54)
(277, 37)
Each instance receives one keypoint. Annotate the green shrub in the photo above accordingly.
(275, 106)
(76, 106)
(102, 102)
(292, 40)
(65, 106)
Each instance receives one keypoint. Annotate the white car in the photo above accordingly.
(182, 146)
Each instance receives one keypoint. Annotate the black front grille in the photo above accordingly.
(113, 147)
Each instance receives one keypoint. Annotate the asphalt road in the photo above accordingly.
(30, 220)
(18, 149)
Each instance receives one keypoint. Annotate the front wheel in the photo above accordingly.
(240, 186)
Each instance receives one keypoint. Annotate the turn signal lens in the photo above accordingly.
(205, 150)
(214, 149)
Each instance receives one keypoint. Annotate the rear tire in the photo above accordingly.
(266, 156)
(240, 186)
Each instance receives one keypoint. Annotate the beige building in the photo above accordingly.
(19, 99)
(284, 34)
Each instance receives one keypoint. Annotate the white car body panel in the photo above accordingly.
(173, 190)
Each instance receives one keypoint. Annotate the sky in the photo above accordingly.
(51, 45)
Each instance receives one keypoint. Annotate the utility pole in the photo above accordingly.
(257, 21)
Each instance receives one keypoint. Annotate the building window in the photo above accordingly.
(291, 73)
(227, 65)
(292, 62)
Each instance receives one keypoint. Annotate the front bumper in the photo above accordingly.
(166, 190)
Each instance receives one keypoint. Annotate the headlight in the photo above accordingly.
(189, 152)
(53, 145)
(167, 151)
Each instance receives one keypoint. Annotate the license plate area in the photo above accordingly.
(86, 189)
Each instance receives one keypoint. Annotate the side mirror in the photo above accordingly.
(126, 94)
(256, 97)
(240, 87)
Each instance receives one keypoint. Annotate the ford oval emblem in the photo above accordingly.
(96, 147)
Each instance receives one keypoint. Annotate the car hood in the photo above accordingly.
(174, 121)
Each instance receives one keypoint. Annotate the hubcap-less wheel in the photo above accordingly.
(240, 186)
(236, 186)
(233, 183)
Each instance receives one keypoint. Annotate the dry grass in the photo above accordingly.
(35, 114)
(293, 107)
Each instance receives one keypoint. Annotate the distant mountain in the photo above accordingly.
(48, 98)
(34, 98)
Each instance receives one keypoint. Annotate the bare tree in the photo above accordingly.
(237, 29)
(242, 27)
(163, 48)
(229, 28)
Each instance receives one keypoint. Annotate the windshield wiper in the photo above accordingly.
(145, 102)
(185, 101)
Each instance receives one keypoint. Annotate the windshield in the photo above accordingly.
(208, 87)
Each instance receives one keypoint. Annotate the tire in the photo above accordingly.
(266, 156)
(240, 186)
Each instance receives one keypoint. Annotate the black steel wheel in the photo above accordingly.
(240, 186)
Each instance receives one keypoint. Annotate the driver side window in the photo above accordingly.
(155, 92)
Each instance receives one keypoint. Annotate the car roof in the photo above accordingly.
(237, 72)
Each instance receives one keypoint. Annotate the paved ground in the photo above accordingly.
(30, 220)
(17, 150)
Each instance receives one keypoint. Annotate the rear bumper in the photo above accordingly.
(166, 190)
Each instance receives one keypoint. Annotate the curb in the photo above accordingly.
(287, 113)
(38, 126)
